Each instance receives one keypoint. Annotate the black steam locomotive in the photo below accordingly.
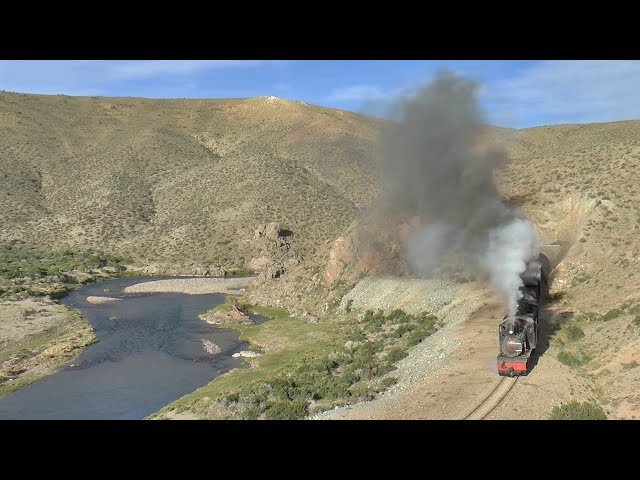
(518, 335)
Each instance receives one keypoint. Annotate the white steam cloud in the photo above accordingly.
(509, 247)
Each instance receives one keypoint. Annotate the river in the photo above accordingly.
(150, 352)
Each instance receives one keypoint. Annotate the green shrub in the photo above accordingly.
(415, 337)
(239, 272)
(349, 304)
(406, 328)
(614, 313)
(330, 387)
(587, 317)
(578, 411)
(574, 332)
(237, 302)
(362, 392)
(388, 381)
(573, 359)
(396, 354)
(287, 410)
(340, 377)
(252, 412)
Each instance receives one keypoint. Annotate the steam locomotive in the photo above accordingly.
(518, 335)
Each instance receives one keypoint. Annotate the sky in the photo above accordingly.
(512, 93)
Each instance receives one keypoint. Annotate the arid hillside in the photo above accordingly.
(179, 182)
(578, 184)
(191, 184)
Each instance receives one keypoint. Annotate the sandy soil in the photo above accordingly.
(36, 338)
(25, 317)
(192, 286)
(101, 300)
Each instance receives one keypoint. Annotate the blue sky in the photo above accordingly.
(513, 93)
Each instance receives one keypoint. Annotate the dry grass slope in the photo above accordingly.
(578, 183)
(179, 181)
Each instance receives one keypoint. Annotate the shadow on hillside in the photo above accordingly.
(550, 321)
(515, 201)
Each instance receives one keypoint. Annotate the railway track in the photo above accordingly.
(496, 396)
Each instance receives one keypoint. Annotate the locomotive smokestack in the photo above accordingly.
(436, 162)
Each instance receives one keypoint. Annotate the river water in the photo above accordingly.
(150, 352)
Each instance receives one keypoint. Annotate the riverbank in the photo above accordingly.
(37, 337)
(286, 344)
(151, 349)
(192, 286)
(306, 367)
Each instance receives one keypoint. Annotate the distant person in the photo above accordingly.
(207, 273)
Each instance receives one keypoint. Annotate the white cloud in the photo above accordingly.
(359, 93)
(79, 77)
(568, 91)
(151, 68)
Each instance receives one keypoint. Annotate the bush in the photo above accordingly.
(614, 313)
(362, 392)
(578, 411)
(349, 304)
(287, 410)
(574, 332)
(343, 376)
(404, 328)
(396, 354)
(239, 272)
(573, 359)
(388, 381)
(237, 302)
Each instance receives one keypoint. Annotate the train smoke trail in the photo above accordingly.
(436, 162)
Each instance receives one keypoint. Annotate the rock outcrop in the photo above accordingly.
(233, 315)
(210, 347)
(276, 254)
(246, 354)
(373, 246)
